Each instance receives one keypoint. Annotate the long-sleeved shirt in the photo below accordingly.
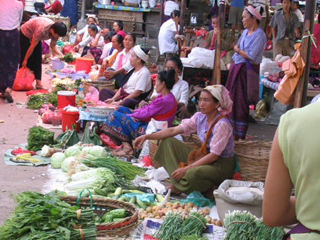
(253, 45)
(162, 107)
(90, 40)
(123, 60)
(84, 32)
(10, 14)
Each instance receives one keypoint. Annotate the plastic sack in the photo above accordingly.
(67, 49)
(144, 197)
(92, 95)
(197, 199)
(155, 126)
(24, 79)
(250, 193)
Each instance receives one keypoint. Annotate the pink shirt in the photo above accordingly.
(37, 28)
(222, 132)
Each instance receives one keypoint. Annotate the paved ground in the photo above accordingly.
(14, 131)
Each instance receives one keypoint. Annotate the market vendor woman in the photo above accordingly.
(210, 170)
(31, 34)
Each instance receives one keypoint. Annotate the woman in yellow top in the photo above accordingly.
(294, 162)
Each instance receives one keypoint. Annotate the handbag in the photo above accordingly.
(195, 155)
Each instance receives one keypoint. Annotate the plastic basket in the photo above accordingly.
(100, 206)
(253, 159)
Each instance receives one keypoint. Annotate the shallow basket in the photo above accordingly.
(253, 159)
(100, 207)
(98, 85)
(191, 140)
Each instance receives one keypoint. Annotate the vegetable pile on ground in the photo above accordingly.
(35, 101)
(39, 216)
(176, 227)
(38, 137)
(243, 225)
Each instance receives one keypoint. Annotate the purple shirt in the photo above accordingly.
(159, 106)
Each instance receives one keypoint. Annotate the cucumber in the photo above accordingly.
(123, 199)
(117, 219)
(133, 200)
(107, 218)
(141, 204)
(118, 192)
(100, 192)
(159, 198)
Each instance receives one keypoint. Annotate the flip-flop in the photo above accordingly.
(8, 97)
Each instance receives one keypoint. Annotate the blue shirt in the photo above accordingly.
(253, 45)
(237, 3)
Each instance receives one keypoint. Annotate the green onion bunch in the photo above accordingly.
(170, 227)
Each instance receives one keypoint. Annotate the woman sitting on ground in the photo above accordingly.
(138, 85)
(125, 124)
(122, 63)
(94, 49)
(83, 35)
(118, 28)
(212, 169)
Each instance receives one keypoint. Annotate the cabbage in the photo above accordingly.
(93, 178)
(57, 159)
(65, 164)
(96, 151)
(75, 150)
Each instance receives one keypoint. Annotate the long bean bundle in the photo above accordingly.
(119, 167)
(169, 229)
(193, 225)
(39, 216)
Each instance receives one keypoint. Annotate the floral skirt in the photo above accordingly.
(123, 127)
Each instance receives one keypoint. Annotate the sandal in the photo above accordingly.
(8, 97)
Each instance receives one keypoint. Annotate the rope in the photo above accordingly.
(81, 233)
(238, 222)
(311, 38)
(78, 214)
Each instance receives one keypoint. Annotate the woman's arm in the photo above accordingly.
(278, 204)
(30, 50)
(274, 33)
(134, 94)
(111, 74)
(96, 40)
(169, 132)
(55, 50)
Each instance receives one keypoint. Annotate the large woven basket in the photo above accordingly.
(253, 159)
(191, 140)
(101, 206)
(98, 85)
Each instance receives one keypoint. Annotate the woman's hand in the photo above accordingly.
(236, 48)
(76, 48)
(137, 144)
(110, 100)
(179, 173)
(142, 104)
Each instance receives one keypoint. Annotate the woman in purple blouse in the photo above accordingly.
(212, 169)
(125, 124)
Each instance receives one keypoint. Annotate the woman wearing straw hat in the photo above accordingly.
(138, 85)
(215, 133)
(243, 79)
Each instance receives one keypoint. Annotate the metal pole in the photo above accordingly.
(82, 22)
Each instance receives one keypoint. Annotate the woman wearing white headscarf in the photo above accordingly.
(138, 84)
(218, 164)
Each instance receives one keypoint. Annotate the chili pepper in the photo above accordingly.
(108, 142)
(20, 151)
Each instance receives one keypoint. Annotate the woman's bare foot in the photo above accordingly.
(173, 189)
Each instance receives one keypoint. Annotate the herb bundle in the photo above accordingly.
(35, 101)
(38, 137)
(39, 216)
(170, 228)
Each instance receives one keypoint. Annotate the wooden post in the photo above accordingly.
(300, 98)
(216, 76)
(161, 11)
(182, 20)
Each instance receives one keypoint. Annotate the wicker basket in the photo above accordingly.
(101, 206)
(253, 159)
(191, 140)
(98, 85)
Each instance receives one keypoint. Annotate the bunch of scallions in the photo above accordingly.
(242, 225)
(39, 216)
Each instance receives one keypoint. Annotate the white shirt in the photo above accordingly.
(10, 14)
(262, 3)
(166, 38)
(299, 15)
(84, 32)
(106, 50)
(169, 7)
(90, 40)
(140, 80)
(180, 91)
(125, 60)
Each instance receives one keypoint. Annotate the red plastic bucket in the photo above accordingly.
(66, 98)
(69, 119)
(83, 64)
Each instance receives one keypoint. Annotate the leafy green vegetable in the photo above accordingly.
(73, 151)
(193, 225)
(68, 58)
(67, 139)
(95, 151)
(170, 227)
(57, 159)
(38, 137)
(66, 162)
(92, 137)
(39, 216)
(35, 101)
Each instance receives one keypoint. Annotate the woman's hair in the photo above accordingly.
(177, 61)
(175, 13)
(214, 16)
(251, 15)
(146, 51)
(214, 99)
(283, 0)
(119, 39)
(93, 27)
(60, 28)
(120, 24)
(133, 37)
(94, 19)
(108, 37)
(168, 77)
